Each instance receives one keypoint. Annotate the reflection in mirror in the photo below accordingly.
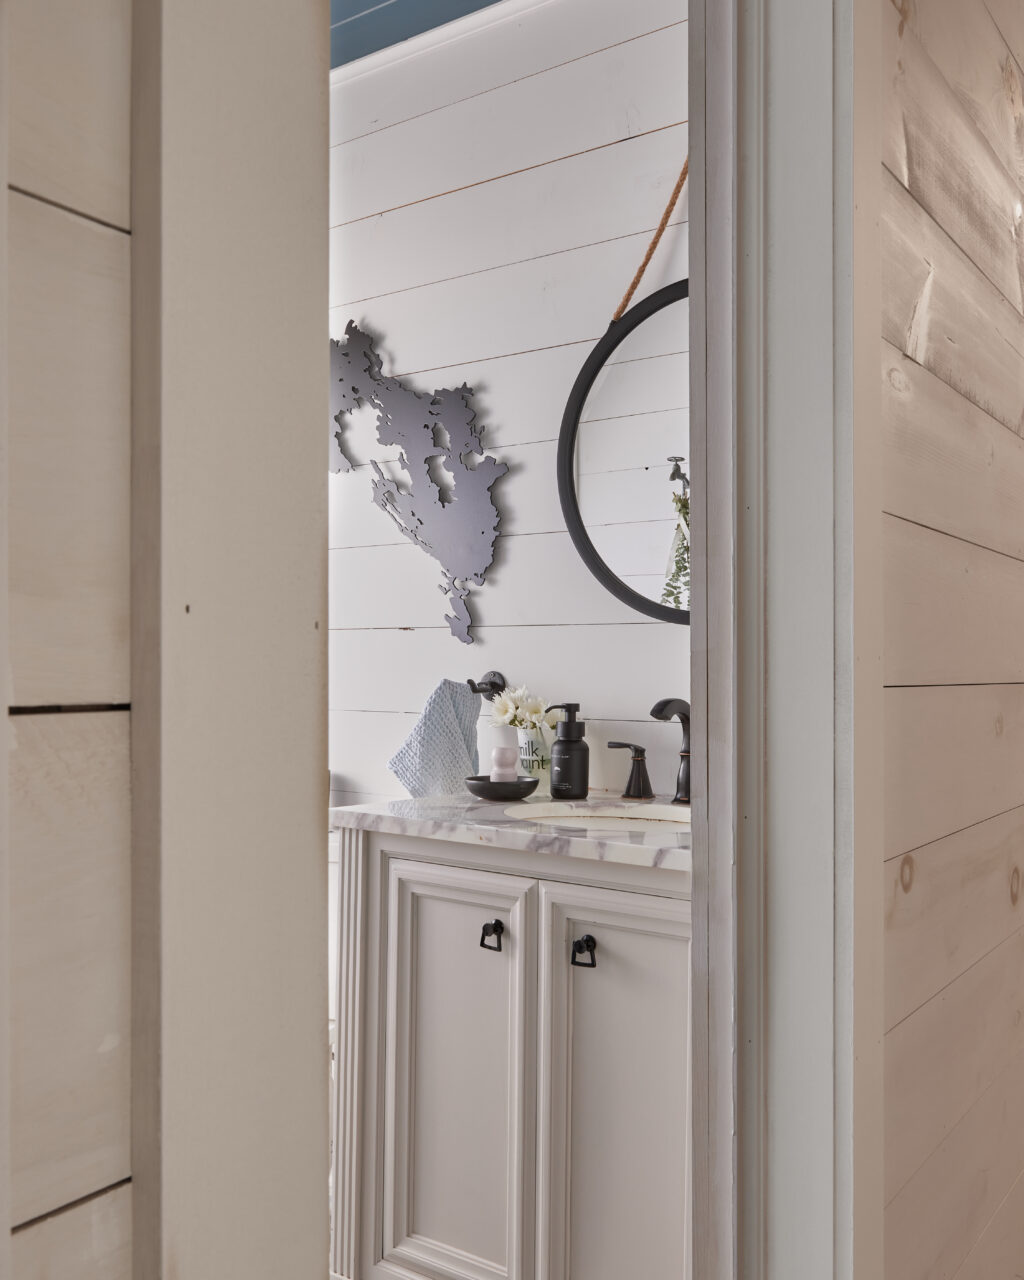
(631, 460)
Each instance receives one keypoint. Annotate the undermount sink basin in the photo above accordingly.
(612, 816)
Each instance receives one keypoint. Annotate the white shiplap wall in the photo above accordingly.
(493, 187)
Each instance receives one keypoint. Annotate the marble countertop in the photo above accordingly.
(471, 821)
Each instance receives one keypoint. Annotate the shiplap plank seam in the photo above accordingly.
(1018, 307)
(71, 1073)
(947, 905)
(72, 1204)
(87, 1240)
(968, 827)
(898, 351)
(516, 128)
(492, 447)
(506, 626)
(67, 208)
(971, 54)
(892, 1195)
(939, 1215)
(981, 371)
(69, 503)
(956, 537)
(973, 1022)
(950, 466)
(979, 959)
(515, 262)
(543, 303)
(507, 84)
(538, 211)
(953, 684)
(512, 42)
(415, 711)
(950, 608)
(504, 355)
(958, 246)
(70, 105)
(509, 173)
(958, 249)
(66, 708)
(615, 417)
(983, 754)
(560, 346)
(400, 540)
(937, 172)
(1001, 22)
(968, 1268)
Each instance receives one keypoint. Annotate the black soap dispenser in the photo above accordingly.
(570, 756)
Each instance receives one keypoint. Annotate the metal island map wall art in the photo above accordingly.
(444, 502)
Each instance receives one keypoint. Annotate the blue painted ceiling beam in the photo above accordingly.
(360, 27)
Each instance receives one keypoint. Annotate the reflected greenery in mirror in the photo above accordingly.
(623, 471)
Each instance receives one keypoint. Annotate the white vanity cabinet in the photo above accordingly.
(504, 1114)
(613, 1097)
(459, 1070)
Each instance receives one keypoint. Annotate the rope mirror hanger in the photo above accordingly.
(625, 320)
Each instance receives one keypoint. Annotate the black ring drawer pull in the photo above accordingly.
(492, 929)
(585, 945)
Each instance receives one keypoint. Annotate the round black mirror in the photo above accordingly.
(623, 471)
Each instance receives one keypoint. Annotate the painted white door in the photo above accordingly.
(459, 1068)
(614, 1154)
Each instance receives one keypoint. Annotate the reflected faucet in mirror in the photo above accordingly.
(669, 709)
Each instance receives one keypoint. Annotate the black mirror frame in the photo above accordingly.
(617, 332)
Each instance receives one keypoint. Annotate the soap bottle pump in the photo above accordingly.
(570, 756)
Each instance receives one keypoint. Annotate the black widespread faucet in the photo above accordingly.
(667, 709)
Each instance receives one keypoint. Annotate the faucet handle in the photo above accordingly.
(639, 785)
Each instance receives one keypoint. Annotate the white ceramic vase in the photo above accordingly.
(504, 753)
(535, 756)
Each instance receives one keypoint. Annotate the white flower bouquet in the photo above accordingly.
(523, 711)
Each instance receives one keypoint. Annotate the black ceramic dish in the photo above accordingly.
(488, 790)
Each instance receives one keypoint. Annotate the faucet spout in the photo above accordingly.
(670, 709)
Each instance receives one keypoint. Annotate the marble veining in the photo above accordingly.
(472, 821)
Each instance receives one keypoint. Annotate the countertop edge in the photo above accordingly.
(478, 831)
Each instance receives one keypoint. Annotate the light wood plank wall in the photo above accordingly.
(493, 188)
(69, 252)
(952, 364)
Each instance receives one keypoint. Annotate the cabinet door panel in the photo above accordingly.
(614, 1188)
(459, 1074)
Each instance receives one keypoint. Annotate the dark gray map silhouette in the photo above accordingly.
(444, 502)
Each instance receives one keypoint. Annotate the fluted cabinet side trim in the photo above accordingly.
(347, 1156)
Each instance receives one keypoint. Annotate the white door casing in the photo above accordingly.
(786, 608)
